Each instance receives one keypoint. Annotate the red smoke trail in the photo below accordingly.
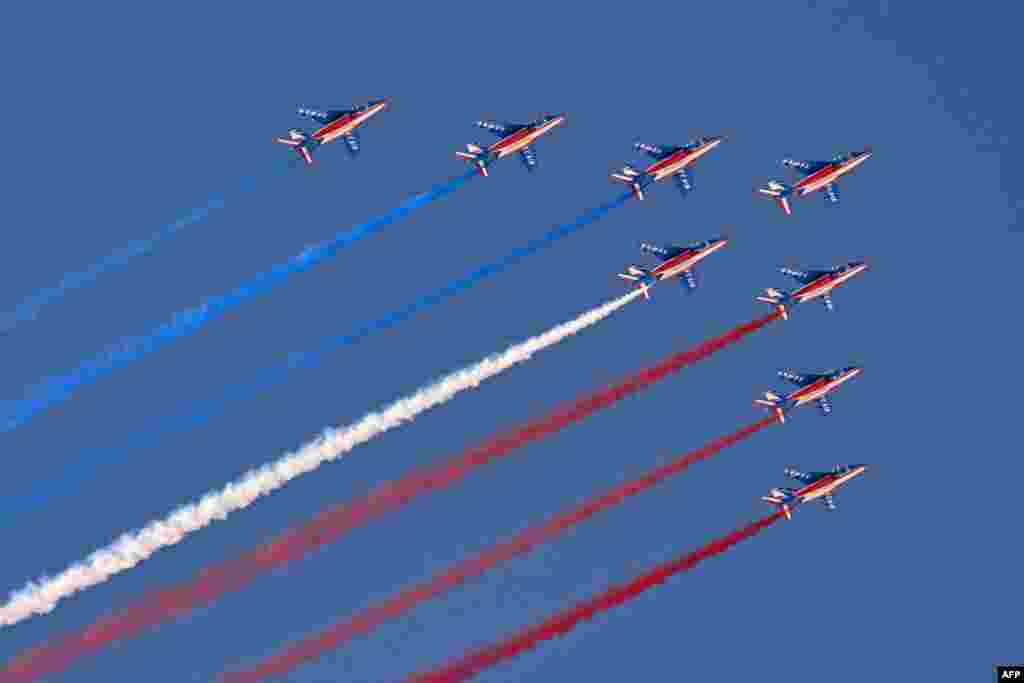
(312, 648)
(336, 521)
(563, 622)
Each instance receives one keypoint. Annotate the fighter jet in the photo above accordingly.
(816, 485)
(677, 261)
(816, 175)
(811, 388)
(670, 162)
(337, 123)
(815, 284)
(515, 137)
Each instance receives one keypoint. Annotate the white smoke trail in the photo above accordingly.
(42, 596)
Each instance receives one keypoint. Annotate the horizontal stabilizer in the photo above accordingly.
(780, 192)
(476, 154)
(633, 177)
(777, 298)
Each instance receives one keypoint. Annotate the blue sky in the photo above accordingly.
(130, 118)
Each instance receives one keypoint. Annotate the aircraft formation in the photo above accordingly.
(675, 163)
(671, 162)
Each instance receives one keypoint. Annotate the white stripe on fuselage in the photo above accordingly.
(826, 490)
(823, 286)
(823, 389)
(829, 178)
(524, 141)
(346, 128)
(686, 263)
(687, 158)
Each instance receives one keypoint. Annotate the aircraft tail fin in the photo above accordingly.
(475, 154)
(773, 402)
(642, 277)
(780, 192)
(301, 142)
(631, 176)
(783, 499)
(778, 298)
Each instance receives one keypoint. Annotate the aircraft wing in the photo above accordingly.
(323, 117)
(824, 405)
(829, 503)
(689, 279)
(831, 193)
(499, 129)
(802, 276)
(684, 181)
(657, 152)
(803, 477)
(797, 379)
(805, 167)
(529, 157)
(801, 166)
(352, 142)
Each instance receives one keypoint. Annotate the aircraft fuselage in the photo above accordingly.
(344, 125)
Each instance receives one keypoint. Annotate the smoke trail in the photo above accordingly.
(277, 375)
(313, 647)
(30, 307)
(129, 550)
(563, 622)
(58, 389)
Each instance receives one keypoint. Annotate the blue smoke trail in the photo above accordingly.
(59, 389)
(29, 308)
(277, 375)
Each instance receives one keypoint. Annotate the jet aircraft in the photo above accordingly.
(816, 175)
(815, 284)
(817, 485)
(336, 123)
(515, 137)
(677, 261)
(811, 388)
(672, 161)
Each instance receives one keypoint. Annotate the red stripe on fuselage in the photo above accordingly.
(336, 128)
(825, 284)
(824, 482)
(816, 390)
(822, 285)
(672, 163)
(827, 175)
(345, 125)
(679, 160)
(677, 263)
(521, 138)
(818, 179)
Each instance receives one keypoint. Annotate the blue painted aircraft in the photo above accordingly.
(816, 175)
(515, 137)
(337, 123)
(671, 161)
(817, 485)
(811, 388)
(677, 261)
(815, 284)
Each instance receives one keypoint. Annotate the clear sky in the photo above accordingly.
(121, 120)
